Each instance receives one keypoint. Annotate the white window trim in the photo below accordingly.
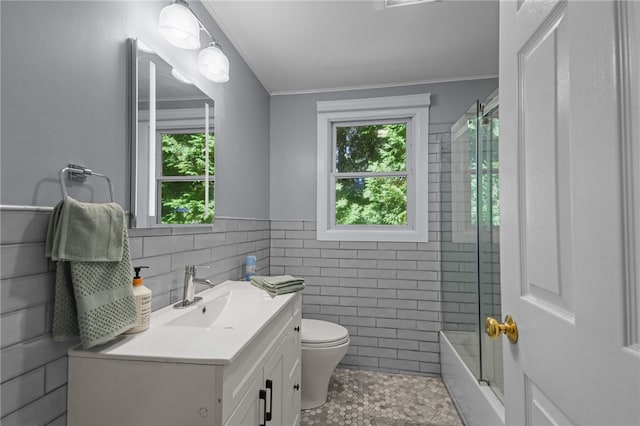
(415, 108)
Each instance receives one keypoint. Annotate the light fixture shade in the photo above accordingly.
(213, 63)
(180, 77)
(179, 26)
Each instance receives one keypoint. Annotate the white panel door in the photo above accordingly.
(569, 187)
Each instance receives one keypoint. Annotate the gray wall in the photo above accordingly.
(64, 99)
(293, 136)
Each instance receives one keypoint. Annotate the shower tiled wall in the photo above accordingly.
(386, 294)
(34, 367)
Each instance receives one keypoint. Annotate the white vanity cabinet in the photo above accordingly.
(259, 385)
(273, 394)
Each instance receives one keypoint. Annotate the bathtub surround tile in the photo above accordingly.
(359, 398)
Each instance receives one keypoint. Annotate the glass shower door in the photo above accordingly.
(459, 255)
(470, 250)
(488, 221)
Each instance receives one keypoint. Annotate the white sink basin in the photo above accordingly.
(229, 308)
(204, 314)
(211, 331)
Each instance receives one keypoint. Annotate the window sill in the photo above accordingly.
(368, 234)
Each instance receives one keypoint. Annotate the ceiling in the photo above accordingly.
(303, 46)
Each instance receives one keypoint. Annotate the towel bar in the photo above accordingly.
(79, 174)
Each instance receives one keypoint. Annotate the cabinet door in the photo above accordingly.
(250, 410)
(291, 401)
(291, 366)
(274, 383)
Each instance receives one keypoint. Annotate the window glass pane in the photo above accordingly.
(485, 181)
(371, 148)
(183, 202)
(183, 154)
(371, 201)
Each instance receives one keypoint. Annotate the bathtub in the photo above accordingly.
(476, 403)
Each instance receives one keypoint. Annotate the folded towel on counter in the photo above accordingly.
(280, 284)
(85, 232)
(276, 281)
(93, 295)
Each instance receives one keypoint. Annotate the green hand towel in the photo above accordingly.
(93, 299)
(85, 232)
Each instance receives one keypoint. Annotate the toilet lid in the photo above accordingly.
(323, 333)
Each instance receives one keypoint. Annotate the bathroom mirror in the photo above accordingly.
(172, 144)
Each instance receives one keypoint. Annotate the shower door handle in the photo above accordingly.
(493, 328)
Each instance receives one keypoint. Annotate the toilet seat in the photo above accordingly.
(322, 334)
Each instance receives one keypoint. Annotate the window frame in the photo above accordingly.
(414, 109)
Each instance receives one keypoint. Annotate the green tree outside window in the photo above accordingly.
(371, 200)
(182, 184)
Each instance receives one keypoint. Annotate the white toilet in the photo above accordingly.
(323, 346)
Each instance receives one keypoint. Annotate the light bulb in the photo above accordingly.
(179, 26)
(213, 63)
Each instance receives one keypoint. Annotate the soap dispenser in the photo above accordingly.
(143, 303)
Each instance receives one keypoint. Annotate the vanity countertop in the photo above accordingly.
(211, 331)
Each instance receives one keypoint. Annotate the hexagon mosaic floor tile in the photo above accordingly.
(358, 397)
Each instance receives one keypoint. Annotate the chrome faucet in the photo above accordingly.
(188, 296)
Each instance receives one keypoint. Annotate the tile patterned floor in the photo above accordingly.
(358, 397)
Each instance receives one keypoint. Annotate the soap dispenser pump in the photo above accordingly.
(143, 303)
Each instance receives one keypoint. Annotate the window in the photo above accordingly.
(372, 169)
(184, 194)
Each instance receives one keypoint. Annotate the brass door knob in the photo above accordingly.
(509, 327)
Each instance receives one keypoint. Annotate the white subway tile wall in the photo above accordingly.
(34, 367)
(386, 294)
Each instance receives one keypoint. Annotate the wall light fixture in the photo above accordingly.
(180, 26)
(213, 63)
